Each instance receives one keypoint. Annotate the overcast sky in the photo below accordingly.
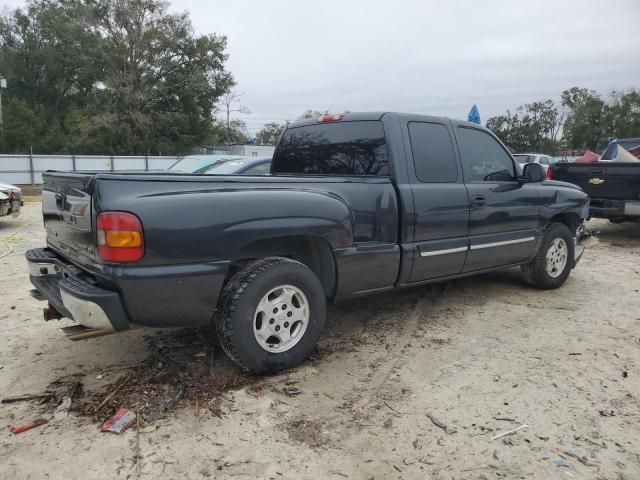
(432, 57)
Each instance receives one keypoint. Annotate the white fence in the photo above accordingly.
(27, 169)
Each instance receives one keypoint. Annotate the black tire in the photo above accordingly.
(535, 272)
(238, 303)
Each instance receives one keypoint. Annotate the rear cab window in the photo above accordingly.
(433, 157)
(340, 148)
(483, 158)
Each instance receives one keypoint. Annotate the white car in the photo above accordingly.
(542, 159)
(10, 200)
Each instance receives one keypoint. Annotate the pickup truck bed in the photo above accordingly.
(355, 204)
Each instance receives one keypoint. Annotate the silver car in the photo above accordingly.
(541, 158)
(10, 200)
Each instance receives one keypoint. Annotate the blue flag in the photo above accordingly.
(474, 115)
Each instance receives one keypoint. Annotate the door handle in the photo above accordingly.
(478, 201)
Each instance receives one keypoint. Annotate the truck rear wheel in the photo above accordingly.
(270, 315)
(552, 265)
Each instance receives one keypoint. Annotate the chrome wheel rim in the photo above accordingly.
(557, 257)
(281, 318)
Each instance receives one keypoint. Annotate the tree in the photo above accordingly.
(534, 127)
(230, 103)
(585, 124)
(622, 114)
(309, 114)
(110, 76)
(270, 133)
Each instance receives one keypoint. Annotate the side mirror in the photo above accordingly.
(533, 173)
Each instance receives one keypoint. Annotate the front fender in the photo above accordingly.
(557, 200)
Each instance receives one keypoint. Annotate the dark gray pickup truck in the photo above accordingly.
(355, 204)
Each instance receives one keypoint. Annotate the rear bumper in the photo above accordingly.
(604, 208)
(74, 294)
(10, 207)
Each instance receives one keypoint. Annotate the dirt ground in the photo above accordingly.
(564, 362)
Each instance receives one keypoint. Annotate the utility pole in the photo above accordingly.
(3, 85)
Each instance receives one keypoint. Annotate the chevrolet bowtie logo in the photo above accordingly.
(596, 181)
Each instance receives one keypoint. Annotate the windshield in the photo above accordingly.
(524, 158)
(226, 167)
(193, 163)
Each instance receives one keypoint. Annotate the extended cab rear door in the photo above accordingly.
(440, 202)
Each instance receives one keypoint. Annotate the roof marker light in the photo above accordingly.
(335, 117)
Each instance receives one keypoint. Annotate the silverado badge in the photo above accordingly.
(596, 181)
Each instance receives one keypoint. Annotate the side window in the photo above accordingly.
(483, 158)
(432, 150)
(544, 160)
(260, 169)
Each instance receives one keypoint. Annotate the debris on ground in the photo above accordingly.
(506, 419)
(172, 377)
(62, 411)
(121, 421)
(560, 462)
(510, 432)
(291, 391)
(23, 428)
(448, 430)
(582, 459)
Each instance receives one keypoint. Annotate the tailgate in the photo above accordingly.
(615, 181)
(66, 208)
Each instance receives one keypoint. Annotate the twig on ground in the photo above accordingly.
(113, 392)
(391, 408)
(28, 396)
(448, 430)
(510, 432)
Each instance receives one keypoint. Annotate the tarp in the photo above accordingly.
(623, 155)
(474, 115)
(588, 157)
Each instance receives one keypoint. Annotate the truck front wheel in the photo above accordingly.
(552, 265)
(270, 315)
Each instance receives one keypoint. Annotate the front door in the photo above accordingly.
(440, 201)
(504, 214)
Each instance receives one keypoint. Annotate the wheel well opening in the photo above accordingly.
(314, 252)
(568, 219)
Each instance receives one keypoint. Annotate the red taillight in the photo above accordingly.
(549, 174)
(336, 117)
(120, 237)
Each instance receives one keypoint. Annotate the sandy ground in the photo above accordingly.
(464, 353)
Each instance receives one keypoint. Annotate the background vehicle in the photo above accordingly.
(632, 145)
(544, 160)
(355, 204)
(10, 200)
(241, 166)
(197, 163)
(613, 187)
